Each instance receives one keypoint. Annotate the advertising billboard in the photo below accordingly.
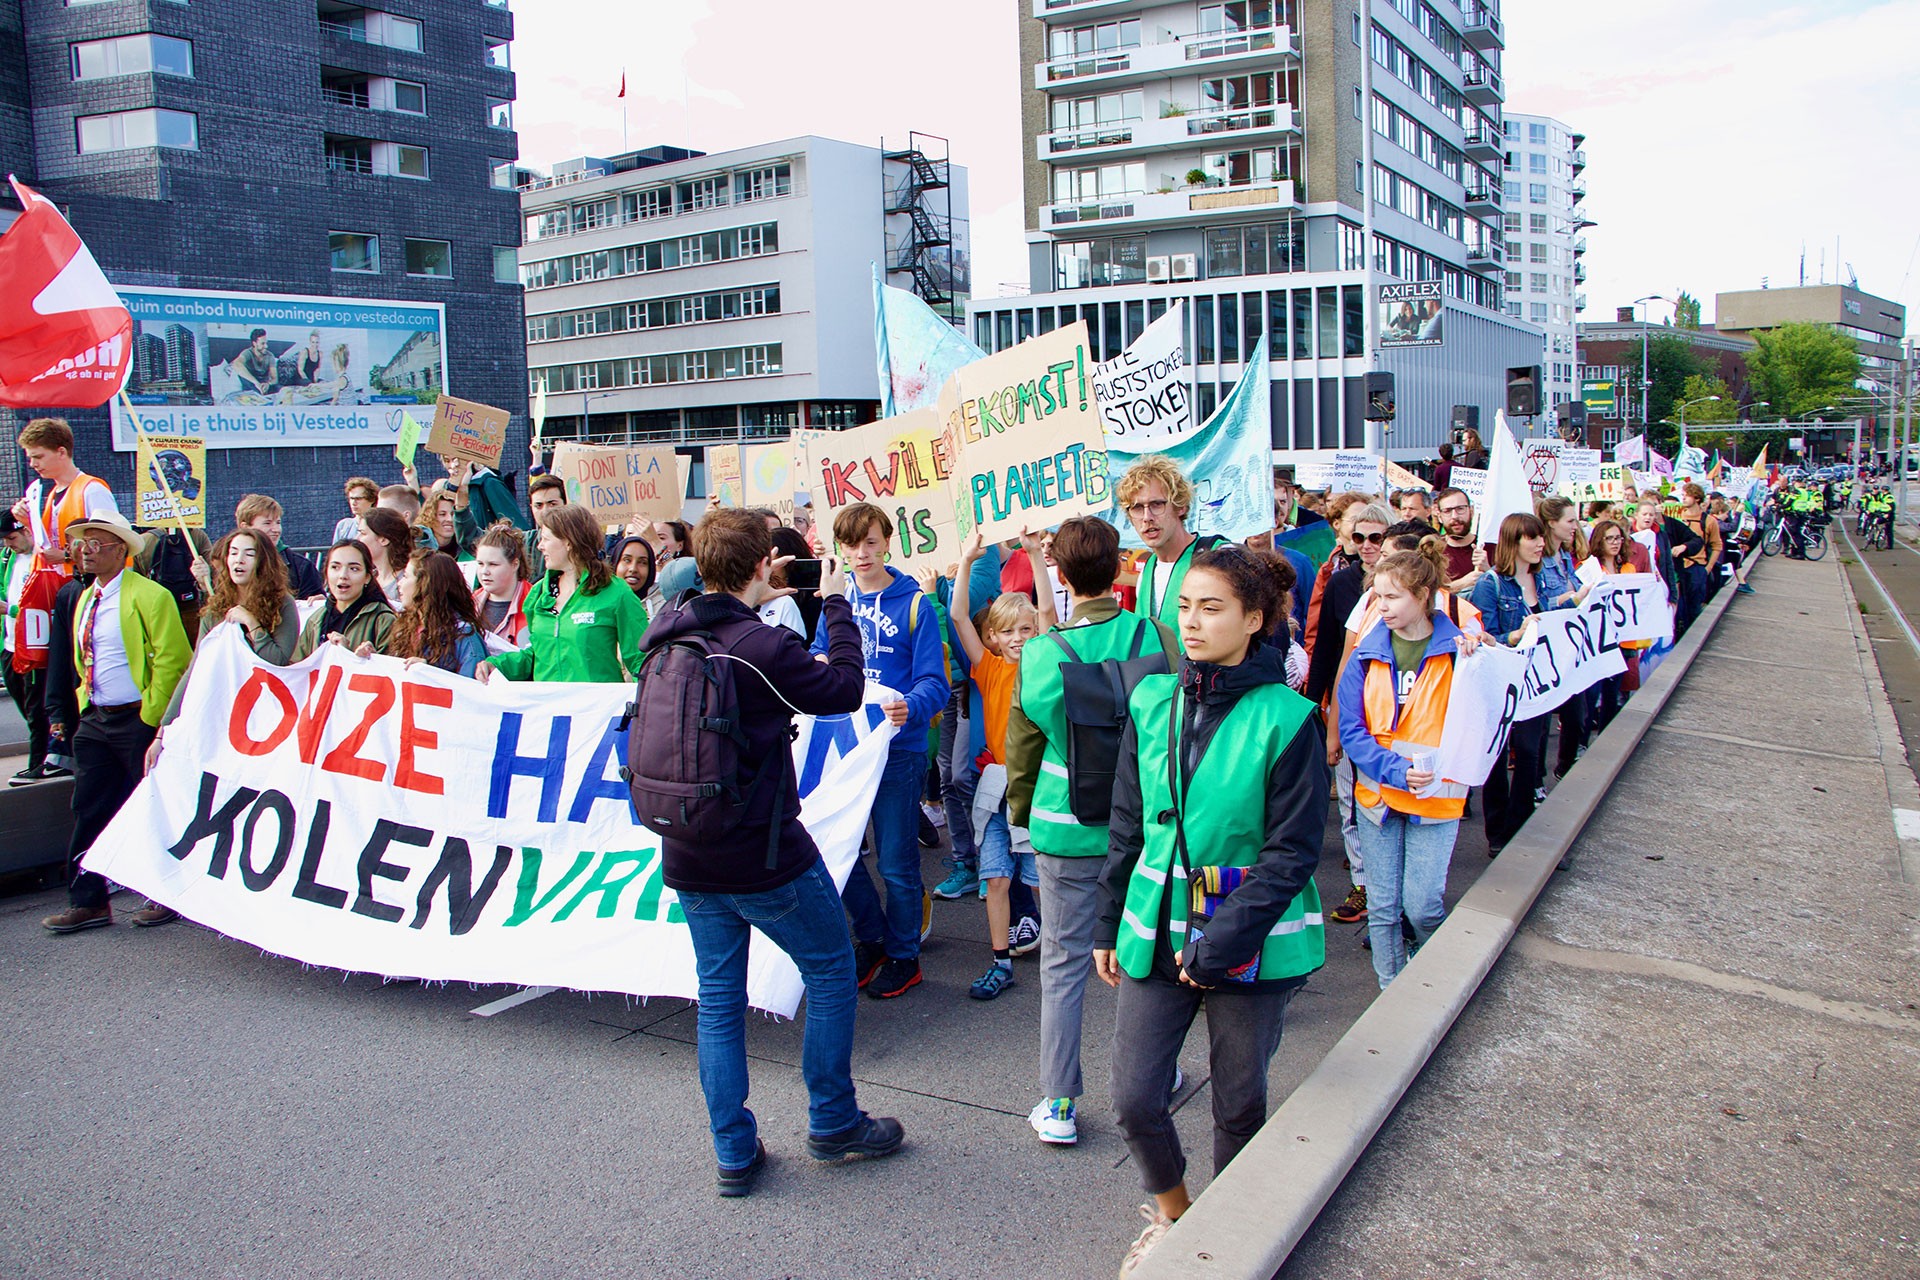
(1412, 314)
(259, 370)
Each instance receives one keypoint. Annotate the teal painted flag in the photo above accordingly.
(1315, 541)
(915, 349)
(1229, 460)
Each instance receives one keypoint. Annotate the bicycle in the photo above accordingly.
(1877, 529)
(1815, 540)
(1774, 541)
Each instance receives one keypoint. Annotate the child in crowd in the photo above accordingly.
(583, 623)
(1219, 813)
(356, 613)
(1393, 704)
(901, 644)
(437, 622)
(1004, 850)
(501, 598)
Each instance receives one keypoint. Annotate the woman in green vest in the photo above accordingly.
(1219, 808)
(582, 622)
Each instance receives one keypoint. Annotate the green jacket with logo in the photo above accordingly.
(1037, 795)
(587, 637)
(1255, 800)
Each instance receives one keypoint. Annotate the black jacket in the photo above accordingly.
(1298, 783)
(1338, 597)
(304, 579)
(837, 686)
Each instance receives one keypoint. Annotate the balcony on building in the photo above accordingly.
(1186, 205)
(1579, 160)
(1579, 273)
(1482, 86)
(1484, 255)
(1060, 10)
(1177, 126)
(1480, 27)
(370, 26)
(1579, 245)
(1208, 52)
(1579, 189)
(1482, 195)
(1485, 144)
(1579, 302)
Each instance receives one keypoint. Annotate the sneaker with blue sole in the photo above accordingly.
(1054, 1121)
(963, 880)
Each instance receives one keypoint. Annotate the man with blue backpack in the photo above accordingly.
(710, 766)
(901, 644)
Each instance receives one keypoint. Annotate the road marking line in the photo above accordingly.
(1906, 823)
(517, 999)
(1885, 597)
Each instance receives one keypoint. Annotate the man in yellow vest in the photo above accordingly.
(129, 651)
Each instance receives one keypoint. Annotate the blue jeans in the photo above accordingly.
(896, 847)
(1406, 870)
(802, 918)
(958, 773)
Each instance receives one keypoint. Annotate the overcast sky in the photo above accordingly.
(1721, 134)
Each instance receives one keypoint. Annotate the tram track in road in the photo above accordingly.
(1886, 586)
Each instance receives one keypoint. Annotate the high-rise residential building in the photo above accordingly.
(1274, 163)
(1545, 224)
(339, 175)
(674, 296)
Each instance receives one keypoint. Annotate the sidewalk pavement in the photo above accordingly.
(1701, 1057)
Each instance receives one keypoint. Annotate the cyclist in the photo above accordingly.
(1876, 510)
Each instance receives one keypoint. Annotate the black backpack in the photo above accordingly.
(1094, 697)
(684, 741)
(172, 566)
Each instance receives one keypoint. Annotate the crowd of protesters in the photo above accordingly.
(1135, 757)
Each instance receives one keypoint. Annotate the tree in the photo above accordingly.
(1671, 360)
(1800, 369)
(1702, 414)
(1686, 312)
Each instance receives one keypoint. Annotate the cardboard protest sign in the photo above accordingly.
(467, 429)
(1579, 477)
(170, 475)
(1356, 472)
(767, 475)
(1025, 436)
(1400, 479)
(377, 818)
(724, 475)
(898, 464)
(617, 483)
(1540, 464)
(1143, 392)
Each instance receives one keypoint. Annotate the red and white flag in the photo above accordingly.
(66, 339)
(623, 86)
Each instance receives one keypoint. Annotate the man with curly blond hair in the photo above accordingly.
(1156, 498)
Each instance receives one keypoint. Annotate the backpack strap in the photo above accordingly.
(1055, 636)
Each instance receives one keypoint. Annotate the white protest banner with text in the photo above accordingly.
(1356, 472)
(1471, 481)
(1143, 391)
(1481, 703)
(363, 815)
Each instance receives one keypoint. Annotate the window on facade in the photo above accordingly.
(1536, 252)
(1353, 320)
(409, 98)
(429, 258)
(763, 183)
(408, 162)
(655, 202)
(132, 55)
(1536, 163)
(1536, 193)
(500, 173)
(1537, 134)
(1537, 312)
(1074, 114)
(1537, 282)
(703, 193)
(1537, 224)
(1105, 37)
(595, 213)
(354, 251)
(499, 113)
(126, 130)
(1083, 186)
(506, 264)
(499, 54)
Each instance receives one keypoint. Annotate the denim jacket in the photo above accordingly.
(1556, 578)
(1503, 607)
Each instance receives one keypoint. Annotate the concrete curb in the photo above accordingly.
(1248, 1221)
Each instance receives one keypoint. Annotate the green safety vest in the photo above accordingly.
(1167, 609)
(1051, 824)
(1227, 829)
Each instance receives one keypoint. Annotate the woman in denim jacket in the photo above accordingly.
(1506, 596)
(1561, 588)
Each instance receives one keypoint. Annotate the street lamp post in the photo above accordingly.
(1683, 417)
(586, 412)
(1646, 399)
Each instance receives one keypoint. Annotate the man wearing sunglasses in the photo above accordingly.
(1156, 498)
(129, 651)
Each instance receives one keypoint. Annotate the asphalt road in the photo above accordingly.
(180, 1104)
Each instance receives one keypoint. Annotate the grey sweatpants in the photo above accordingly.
(1069, 908)
(1243, 1031)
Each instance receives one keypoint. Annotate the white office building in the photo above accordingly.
(691, 298)
(1545, 226)
(1274, 163)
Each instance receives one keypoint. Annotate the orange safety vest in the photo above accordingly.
(1420, 722)
(54, 518)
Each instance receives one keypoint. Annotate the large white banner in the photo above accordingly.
(1563, 653)
(363, 815)
(1142, 392)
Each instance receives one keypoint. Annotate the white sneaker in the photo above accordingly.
(1054, 1121)
(936, 814)
(1157, 1224)
(1179, 1079)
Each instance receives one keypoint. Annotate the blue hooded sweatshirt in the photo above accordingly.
(900, 652)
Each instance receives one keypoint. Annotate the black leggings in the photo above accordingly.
(1509, 801)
